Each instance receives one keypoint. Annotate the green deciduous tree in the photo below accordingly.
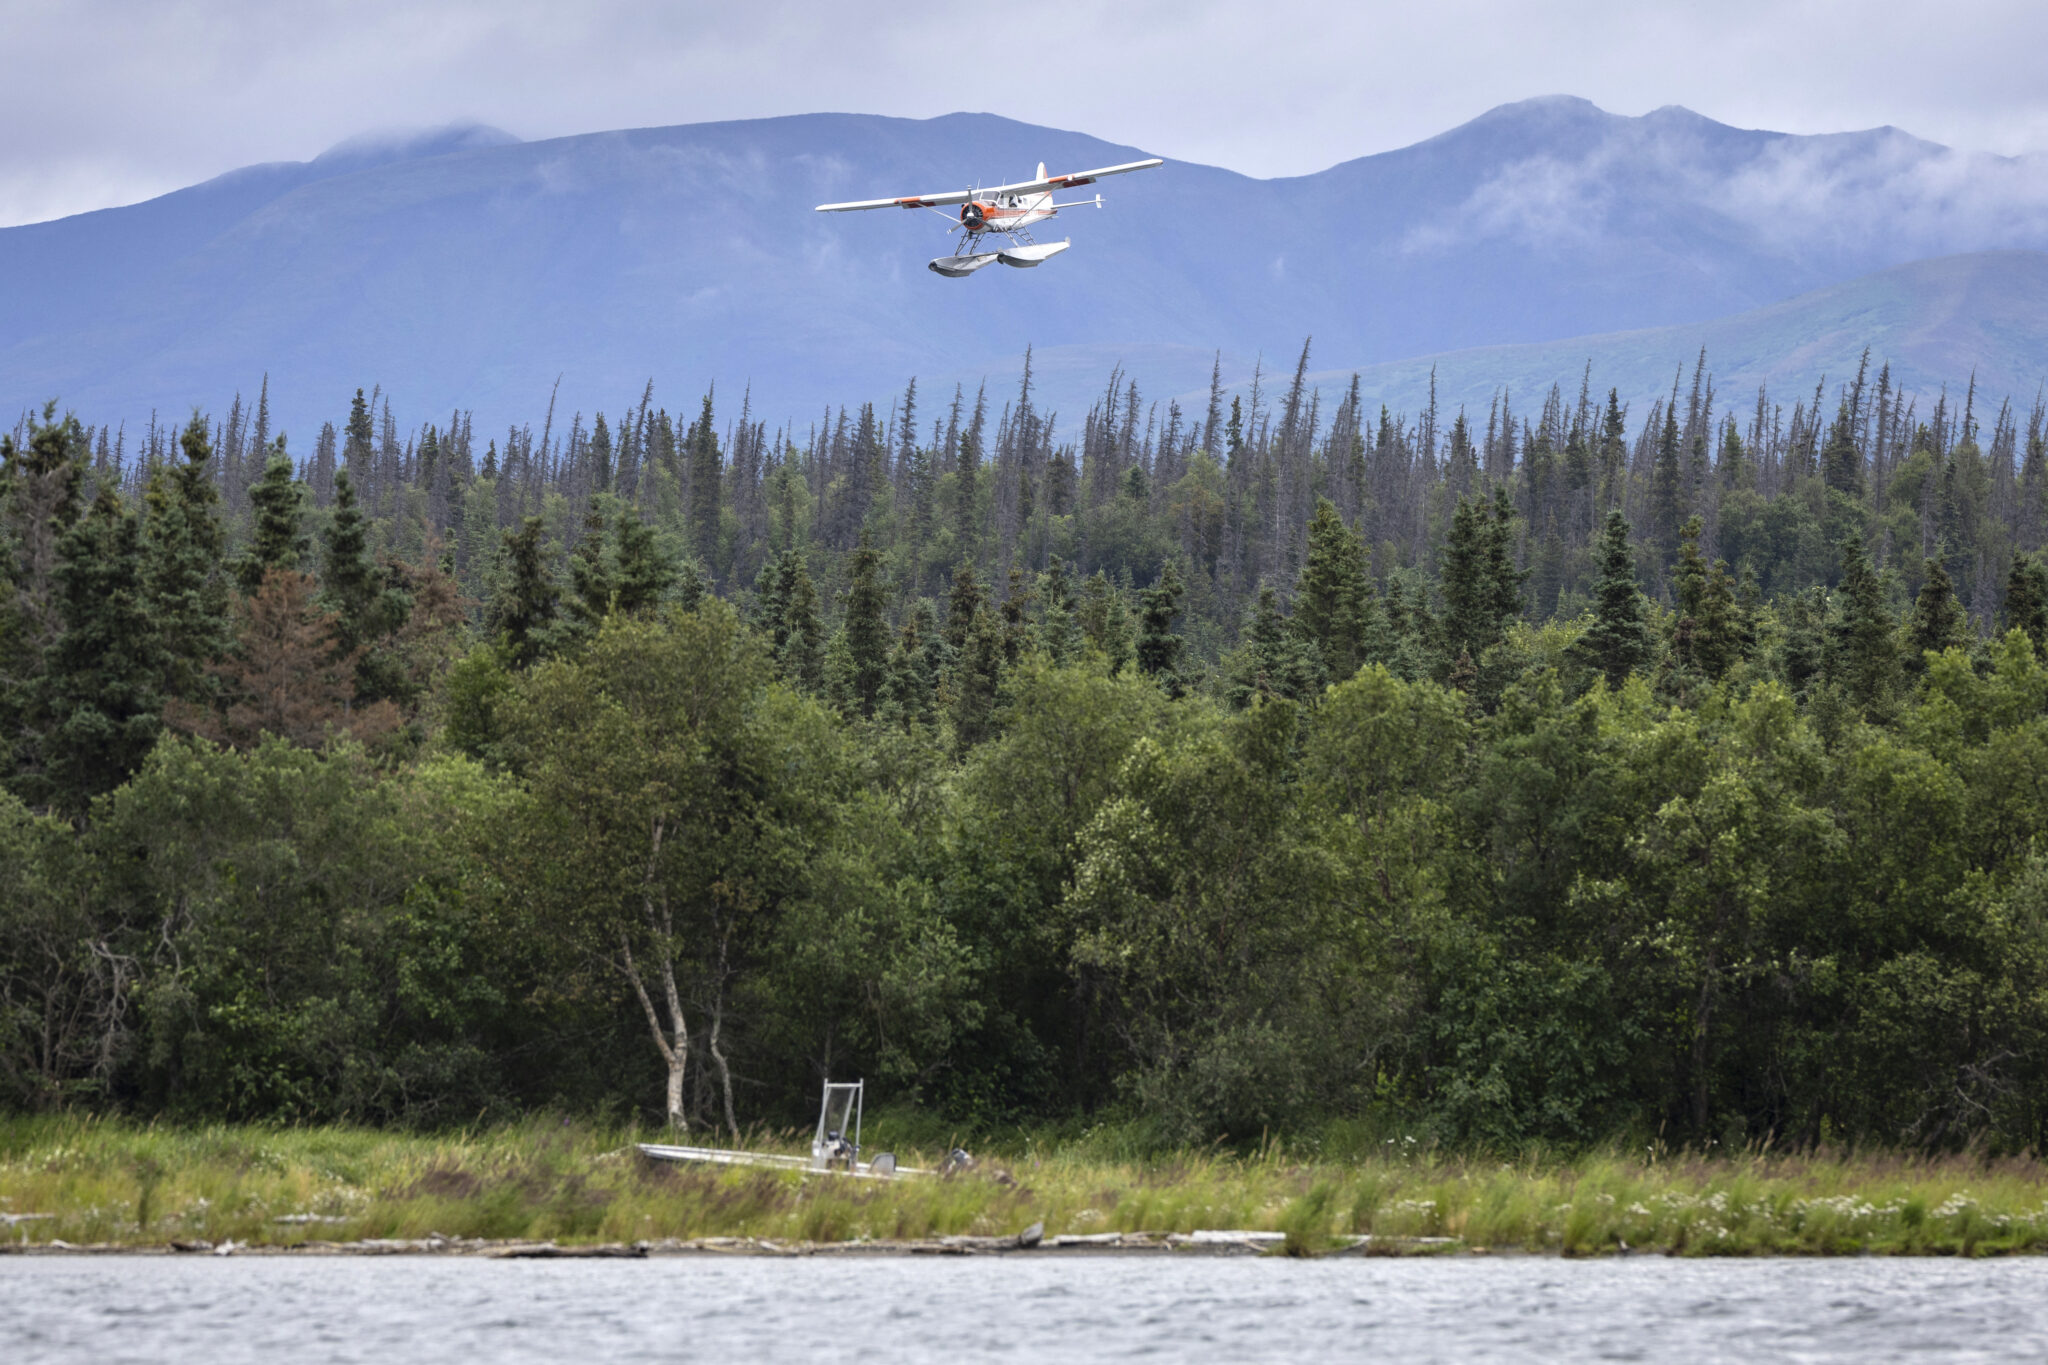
(674, 792)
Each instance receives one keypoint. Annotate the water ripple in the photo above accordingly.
(1060, 1307)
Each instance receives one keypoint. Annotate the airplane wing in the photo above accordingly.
(912, 201)
(1079, 178)
(1053, 182)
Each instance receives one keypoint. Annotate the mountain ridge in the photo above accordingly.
(474, 273)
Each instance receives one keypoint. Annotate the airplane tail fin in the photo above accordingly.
(1041, 171)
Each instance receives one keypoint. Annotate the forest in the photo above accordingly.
(1559, 774)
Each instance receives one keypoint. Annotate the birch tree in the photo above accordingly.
(669, 819)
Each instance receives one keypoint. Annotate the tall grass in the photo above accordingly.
(116, 1182)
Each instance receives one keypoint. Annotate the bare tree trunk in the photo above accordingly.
(675, 1050)
(724, 1071)
(717, 1027)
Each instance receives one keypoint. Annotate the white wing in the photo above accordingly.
(1051, 182)
(1068, 182)
(914, 201)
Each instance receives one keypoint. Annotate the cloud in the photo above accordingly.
(1928, 199)
(1882, 192)
(113, 100)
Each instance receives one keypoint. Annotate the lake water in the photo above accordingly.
(1055, 1307)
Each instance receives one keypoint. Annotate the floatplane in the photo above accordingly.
(1006, 211)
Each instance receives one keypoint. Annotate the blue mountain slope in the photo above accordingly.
(473, 271)
(1934, 322)
(64, 272)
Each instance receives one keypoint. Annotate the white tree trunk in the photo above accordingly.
(678, 1059)
(724, 1071)
(673, 1042)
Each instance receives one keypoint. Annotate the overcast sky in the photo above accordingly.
(110, 101)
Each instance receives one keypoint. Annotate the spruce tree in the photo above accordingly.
(1612, 462)
(907, 690)
(641, 574)
(1059, 632)
(937, 655)
(1016, 614)
(796, 637)
(688, 587)
(1504, 580)
(967, 473)
(1105, 621)
(288, 675)
(771, 601)
(704, 486)
(1468, 620)
(1706, 634)
(1841, 466)
(598, 454)
(2026, 599)
(278, 540)
(1334, 603)
(39, 497)
(1718, 641)
(183, 542)
(100, 699)
(961, 604)
(867, 628)
(1618, 640)
(1863, 656)
(349, 582)
(1159, 648)
(839, 687)
(1275, 660)
(1667, 487)
(590, 568)
(1938, 622)
(361, 441)
(525, 609)
(1407, 645)
(1802, 654)
(977, 676)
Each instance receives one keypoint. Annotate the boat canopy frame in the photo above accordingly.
(838, 1141)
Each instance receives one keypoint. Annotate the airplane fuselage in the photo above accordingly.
(1006, 212)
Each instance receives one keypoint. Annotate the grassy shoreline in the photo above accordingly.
(122, 1184)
